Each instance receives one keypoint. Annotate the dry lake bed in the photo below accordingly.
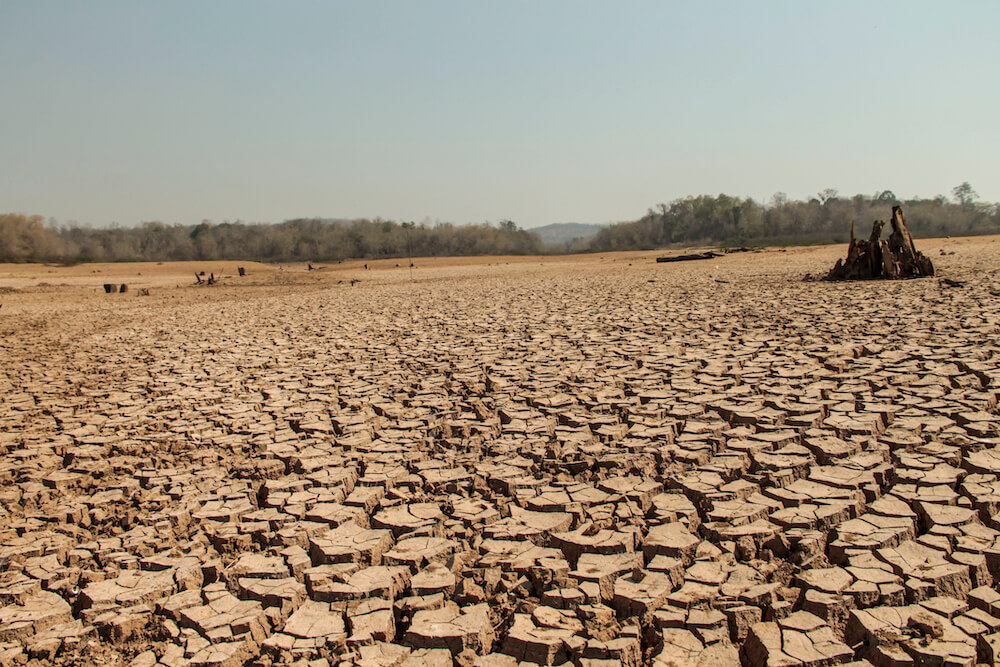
(588, 460)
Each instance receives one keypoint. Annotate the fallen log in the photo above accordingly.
(877, 258)
(688, 258)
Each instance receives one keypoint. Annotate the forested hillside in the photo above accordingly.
(708, 220)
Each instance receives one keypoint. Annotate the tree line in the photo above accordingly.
(29, 238)
(705, 219)
(826, 218)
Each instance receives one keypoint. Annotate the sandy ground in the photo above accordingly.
(536, 459)
(92, 276)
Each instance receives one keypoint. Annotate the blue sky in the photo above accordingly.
(470, 111)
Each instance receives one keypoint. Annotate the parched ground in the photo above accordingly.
(593, 460)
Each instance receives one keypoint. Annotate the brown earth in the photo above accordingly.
(587, 460)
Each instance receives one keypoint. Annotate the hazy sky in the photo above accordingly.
(470, 111)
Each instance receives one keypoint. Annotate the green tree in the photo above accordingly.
(885, 197)
(827, 195)
(965, 195)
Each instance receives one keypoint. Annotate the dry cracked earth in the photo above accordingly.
(593, 462)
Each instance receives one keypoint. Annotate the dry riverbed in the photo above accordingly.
(589, 460)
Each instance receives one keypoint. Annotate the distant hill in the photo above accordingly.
(560, 233)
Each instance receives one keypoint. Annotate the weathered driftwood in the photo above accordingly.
(892, 258)
(688, 258)
(212, 280)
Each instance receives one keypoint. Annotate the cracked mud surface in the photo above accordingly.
(592, 461)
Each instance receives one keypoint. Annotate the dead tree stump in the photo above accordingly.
(242, 270)
(893, 258)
